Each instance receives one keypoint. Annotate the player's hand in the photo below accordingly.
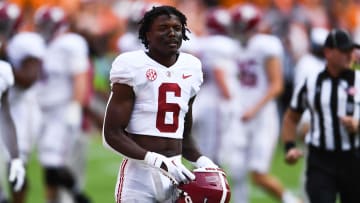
(293, 155)
(176, 170)
(73, 114)
(205, 162)
(248, 115)
(17, 174)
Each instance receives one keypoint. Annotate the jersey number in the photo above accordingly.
(164, 107)
(248, 75)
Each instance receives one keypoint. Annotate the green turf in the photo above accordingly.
(103, 167)
(290, 176)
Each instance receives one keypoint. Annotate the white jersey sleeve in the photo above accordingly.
(77, 52)
(6, 77)
(267, 45)
(216, 50)
(25, 44)
(121, 71)
(162, 93)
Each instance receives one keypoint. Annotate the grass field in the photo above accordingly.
(103, 167)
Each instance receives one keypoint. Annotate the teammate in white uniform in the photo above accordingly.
(214, 105)
(61, 92)
(129, 41)
(8, 131)
(25, 51)
(260, 83)
(149, 112)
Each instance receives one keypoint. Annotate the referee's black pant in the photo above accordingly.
(329, 174)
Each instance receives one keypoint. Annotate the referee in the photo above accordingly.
(333, 99)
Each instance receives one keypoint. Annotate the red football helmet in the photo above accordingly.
(49, 20)
(10, 17)
(245, 17)
(218, 20)
(210, 186)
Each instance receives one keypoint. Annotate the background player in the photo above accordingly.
(65, 69)
(8, 131)
(260, 83)
(24, 51)
(214, 105)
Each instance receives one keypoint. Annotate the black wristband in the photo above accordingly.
(289, 145)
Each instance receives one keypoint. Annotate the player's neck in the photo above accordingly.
(165, 60)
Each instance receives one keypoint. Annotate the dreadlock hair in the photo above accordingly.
(149, 17)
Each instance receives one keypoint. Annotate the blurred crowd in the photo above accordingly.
(105, 28)
(103, 22)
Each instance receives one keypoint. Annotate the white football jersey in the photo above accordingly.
(162, 93)
(6, 77)
(251, 67)
(218, 51)
(65, 56)
(24, 106)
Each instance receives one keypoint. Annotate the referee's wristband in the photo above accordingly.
(289, 145)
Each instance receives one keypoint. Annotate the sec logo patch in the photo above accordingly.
(151, 74)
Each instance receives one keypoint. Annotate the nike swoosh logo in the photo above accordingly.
(186, 76)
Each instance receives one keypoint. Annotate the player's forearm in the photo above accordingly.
(220, 80)
(8, 129)
(10, 140)
(276, 82)
(289, 126)
(272, 93)
(189, 149)
(123, 144)
(80, 88)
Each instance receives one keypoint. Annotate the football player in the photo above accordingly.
(214, 104)
(24, 51)
(260, 80)
(129, 40)
(8, 131)
(149, 113)
(65, 69)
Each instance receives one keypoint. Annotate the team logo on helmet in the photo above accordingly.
(151, 74)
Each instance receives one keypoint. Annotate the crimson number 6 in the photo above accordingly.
(164, 107)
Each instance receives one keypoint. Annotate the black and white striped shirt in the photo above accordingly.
(327, 99)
